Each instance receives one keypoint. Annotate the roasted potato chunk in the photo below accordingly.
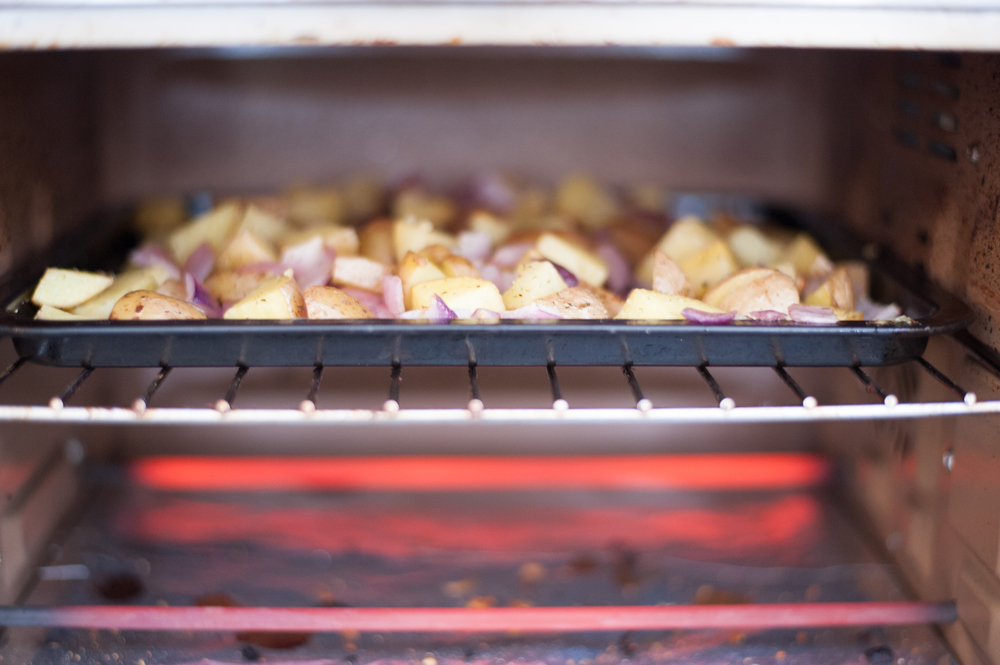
(234, 286)
(668, 277)
(101, 305)
(754, 290)
(327, 302)
(357, 272)
(535, 280)
(151, 306)
(63, 289)
(458, 293)
(576, 302)
(646, 304)
(836, 291)
(276, 297)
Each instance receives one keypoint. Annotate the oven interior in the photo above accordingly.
(235, 498)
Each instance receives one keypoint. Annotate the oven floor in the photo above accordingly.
(137, 545)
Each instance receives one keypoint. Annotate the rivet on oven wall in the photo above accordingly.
(948, 460)
(973, 153)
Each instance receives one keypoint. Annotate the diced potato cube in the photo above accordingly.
(848, 315)
(535, 280)
(234, 286)
(175, 288)
(577, 302)
(341, 239)
(357, 272)
(314, 205)
(836, 291)
(808, 259)
(668, 277)
(99, 307)
(686, 237)
(581, 198)
(268, 227)
(859, 275)
(411, 234)
(497, 229)
(413, 270)
(63, 289)
(214, 227)
(752, 247)
(754, 290)
(435, 253)
(152, 306)
(438, 210)
(326, 302)
(586, 265)
(612, 301)
(277, 297)
(458, 293)
(708, 266)
(242, 250)
(458, 266)
(376, 241)
(646, 304)
(48, 313)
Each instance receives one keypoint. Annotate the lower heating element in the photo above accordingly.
(367, 559)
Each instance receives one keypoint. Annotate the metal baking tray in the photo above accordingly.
(221, 343)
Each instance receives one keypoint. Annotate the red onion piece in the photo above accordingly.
(474, 245)
(873, 311)
(530, 311)
(485, 315)
(768, 315)
(619, 272)
(708, 318)
(371, 301)
(508, 256)
(392, 294)
(311, 262)
(494, 192)
(152, 255)
(811, 314)
(566, 275)
(201, 261)
(439, 311)
(199, 296)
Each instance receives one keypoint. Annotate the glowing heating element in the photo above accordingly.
(469, 473)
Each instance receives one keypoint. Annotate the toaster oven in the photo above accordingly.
(542, 497)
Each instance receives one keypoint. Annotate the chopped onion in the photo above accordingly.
(709, 318)
(373, 302)
(566, 274)
(508, 256)
(873, 311)
(311, 262)
(768, 315)
(199, 296)
(485, 315)
(619, 273)
(812, 314)
(392, 294)
(531, 311)
(474, 245)
(439, 311)
(201, 261)
(494, 192)
(152, 255)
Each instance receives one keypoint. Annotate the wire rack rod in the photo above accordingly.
(871, 386)
(494, 619)
(641, 402)
(587, 416)
(476, 404)
(60, 401)
(968, 397)
(142, 403)
(14, 366)
(392, 404)
(725, 403)
(808, 401)
(558, 403)
(226, 403)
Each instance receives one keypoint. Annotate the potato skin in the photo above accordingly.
(328, 302)
(753, 290)
(152, 306)
(233, 286)
(577, 302)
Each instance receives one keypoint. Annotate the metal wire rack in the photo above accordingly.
(225, 412)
